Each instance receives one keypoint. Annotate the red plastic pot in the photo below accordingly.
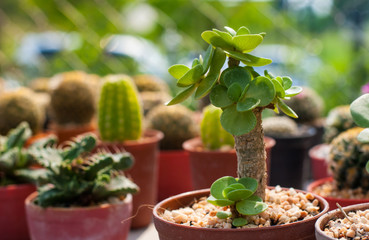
(103, 222)
(169, 231)
(332, 200)
(174, 173)
(334, 214)
(144, 172)
(318, 155)
(13, 224)
(207, 166)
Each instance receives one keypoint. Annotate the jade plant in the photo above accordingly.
(360, 114)
(238, 194)
(240, 91)
(77, 177)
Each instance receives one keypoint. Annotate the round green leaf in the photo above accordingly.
(190, 77)
(178, 70)
(219, 185)
(255, 198)
(234, 91)
(247, 43)
(247, 104)
(287, 83)
(220, 202)
(182, 95)
(239, 222)
(237, 185)
(360, 110)
(249, 183)
(230, 30)
(363, 136)
(293, 91)
(243, 30)
(261, 88)
(247, 207)
(216, 40)
(219, 97)
(223, 215)
(235, 75)
(237, 123)
(238, 194)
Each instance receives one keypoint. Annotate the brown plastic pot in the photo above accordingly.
(144, 172)
(334, 214)
(333, 200)
(174, 173)
(102, 222)
(318, 155)
(13, 224)
(207, 166)
(169, 231)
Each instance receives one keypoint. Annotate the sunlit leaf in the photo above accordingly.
(207, 59)
(237, 123)
(261, 88)
(360, 110)
(249, 183)
(195, 62)
(219, 97)
(226, 36)
(248, 207)
(286, 109)
(363, 136)
(216, 40)
(239, 194)
(216, 189)
(220, 201)
(247, 43)
(278, 88)
(182, 95)
(243, 30)
(230, 30)
(287, 83)
(249, 59)
(178, 70)
(235, 75)
(293, 91)
(191, 77)
(247, 104)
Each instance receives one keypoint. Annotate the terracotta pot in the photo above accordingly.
(290, 158)
(66, 133)
(13, 224)
(103, 222)
(207, 166)
(333, 200)
(334, 214)
(318, 155)
(37, 137)
(144, 172)
(174, 173)
(168, 231)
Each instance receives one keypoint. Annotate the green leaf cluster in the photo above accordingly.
(237, 90)
(74, 176)
(239, 193)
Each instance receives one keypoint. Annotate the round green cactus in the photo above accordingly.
(213, 135)
(280, 126)
(119, 110)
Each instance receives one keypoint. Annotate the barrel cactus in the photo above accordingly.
(339, 119)
(18, 106)
(280, 127)
(176, 122)
(347, 160)
(213, 135)
(150, 83)
(119, 109)
(150, 100)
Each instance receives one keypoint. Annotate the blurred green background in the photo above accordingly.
(319, 43)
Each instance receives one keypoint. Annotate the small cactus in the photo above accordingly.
(339, 119)
(149, 83)
(119, 110)
(213, 135)
(280, 127)
(175, 122)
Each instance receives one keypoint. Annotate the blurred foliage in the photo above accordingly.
(323, 44)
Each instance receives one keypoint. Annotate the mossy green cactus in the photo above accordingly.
(73, 102)
(150, 83)
(308, 105)
(213, 135)
(280, 127)
(18, 106)
(339, 119)
(176, 122)
(119, 110)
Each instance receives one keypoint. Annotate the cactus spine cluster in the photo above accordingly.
(213, 135)
(79, 178)
(347, 160)
(119, 110)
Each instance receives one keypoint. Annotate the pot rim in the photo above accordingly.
(149, 136)
(321, 181)
(16, 187)
(329, 215)
(29, 202)
(316, 148)
(207, 191)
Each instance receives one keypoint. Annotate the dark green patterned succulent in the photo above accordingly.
(77, 177)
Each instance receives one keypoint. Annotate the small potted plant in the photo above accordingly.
(242, 94)
(16, 181)
(83, 195)
(120, 128)
(213, 155)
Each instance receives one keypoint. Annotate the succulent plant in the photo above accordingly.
(76, 177)
(213, 135)
(238, 194)
(176, 122)
(150, 83)
(15, 159)
(280, 127)
(18, 106)
(72, 102)
(339, 119)
(119, 110)
(347, 160)
(308, 105)
(150, 100)
(359, 110)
